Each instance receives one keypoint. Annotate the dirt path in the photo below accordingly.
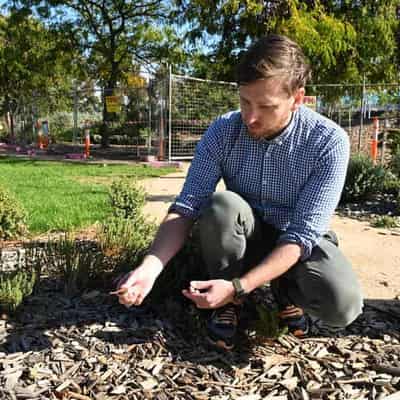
(374, 253)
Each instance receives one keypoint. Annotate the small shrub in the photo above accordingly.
(363, 179)
(394, 139)
(127, 199)
(268, 323)
(386, 221)
(125, 240)
(126, 234)
(391, 183)
(76, 265)
(395, 163)
(12, 217)
(14, 287)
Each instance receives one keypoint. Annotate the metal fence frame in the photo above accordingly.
(176, 110)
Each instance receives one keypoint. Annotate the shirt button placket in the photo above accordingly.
(264, 178)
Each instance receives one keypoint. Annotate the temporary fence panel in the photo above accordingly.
(167, 115)
(193, 105)
(355, 107)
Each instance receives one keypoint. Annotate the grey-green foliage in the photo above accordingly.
(14, 287)
(395, 163)
(268, 323)
(12, 217)
(385, 221)
(126, 234)
(127, 199)
(363, 179)
(76, 265)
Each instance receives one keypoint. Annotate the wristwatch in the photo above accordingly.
(239, 291)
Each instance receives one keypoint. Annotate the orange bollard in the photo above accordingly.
(374, 140)
(39, 132)
(87, 143)
(40, 141)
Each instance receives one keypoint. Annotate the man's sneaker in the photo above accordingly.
(222, 326)
(297, 322)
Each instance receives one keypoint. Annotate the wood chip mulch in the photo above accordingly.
(90, 347)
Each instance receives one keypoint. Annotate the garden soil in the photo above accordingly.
(374, 253)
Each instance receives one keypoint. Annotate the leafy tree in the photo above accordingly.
(344, 40)
(115, 35)
(36, 62)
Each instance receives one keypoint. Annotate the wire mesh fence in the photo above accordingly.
(194, 104)
(166, 116)
(355, 107)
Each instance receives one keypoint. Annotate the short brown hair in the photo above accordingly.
(274, 56)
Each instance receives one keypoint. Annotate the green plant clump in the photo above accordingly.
(14, 287)
(75, 264)
(395, 163)
(386, 221)
(363, 179)
(126, 234)
(12, 217)
(268, 323)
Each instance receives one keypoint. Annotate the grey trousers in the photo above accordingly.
(233, 240)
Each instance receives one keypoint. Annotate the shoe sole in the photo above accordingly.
(219, 344)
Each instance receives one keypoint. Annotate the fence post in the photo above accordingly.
(75, 134)
(160, 154)
(374, 140)
(170, 113)
(361, 115)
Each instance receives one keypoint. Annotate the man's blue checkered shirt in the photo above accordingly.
(292, 182)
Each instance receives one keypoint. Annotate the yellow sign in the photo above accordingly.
(113, 104)
(136, 81)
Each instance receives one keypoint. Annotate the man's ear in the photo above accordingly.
(298, 98)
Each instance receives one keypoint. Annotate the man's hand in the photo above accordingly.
(210, 294)
(136, 285)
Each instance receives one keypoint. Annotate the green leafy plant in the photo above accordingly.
(127, 199)
(12, 217)
(395, 163)
(78, 265)
(363, 179)
(386, 221)
(126, 234)
(268, 323)
(14, 287)
(391, 183)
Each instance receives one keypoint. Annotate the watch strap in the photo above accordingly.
(239, 291)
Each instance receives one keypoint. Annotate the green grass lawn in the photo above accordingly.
(65, 196)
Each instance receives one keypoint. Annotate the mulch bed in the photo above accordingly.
(90, 347)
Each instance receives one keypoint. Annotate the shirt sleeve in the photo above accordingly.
(319, 197)
(203, 175)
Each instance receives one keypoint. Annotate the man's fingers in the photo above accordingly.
(200, 299)
(201, 285)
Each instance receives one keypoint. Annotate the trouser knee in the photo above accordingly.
(223, 229)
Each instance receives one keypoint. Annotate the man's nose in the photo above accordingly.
(252, 116)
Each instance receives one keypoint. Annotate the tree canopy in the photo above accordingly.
(344, 40)
(36, 63)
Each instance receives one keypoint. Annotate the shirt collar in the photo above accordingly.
(284, 135)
